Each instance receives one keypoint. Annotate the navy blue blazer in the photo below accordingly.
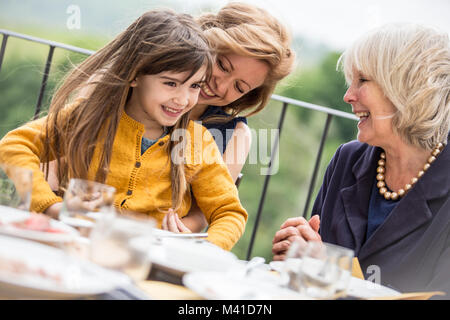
(411, 248)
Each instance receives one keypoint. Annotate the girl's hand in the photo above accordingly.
(295, 229)
(172, 222)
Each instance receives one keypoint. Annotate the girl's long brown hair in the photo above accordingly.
(159, 40)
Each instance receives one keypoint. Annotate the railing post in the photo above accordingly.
(317, 164)
(266, 181)
(44, 82)
(2, 52)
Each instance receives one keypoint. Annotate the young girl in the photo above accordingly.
(146, 81)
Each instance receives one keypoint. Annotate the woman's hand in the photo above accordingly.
(172, 222)
(294, 229)
(195, 220)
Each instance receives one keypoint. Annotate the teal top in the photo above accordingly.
(147, 143)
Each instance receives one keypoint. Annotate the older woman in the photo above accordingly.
(386, 196)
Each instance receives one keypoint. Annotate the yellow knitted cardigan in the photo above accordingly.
(143, 182)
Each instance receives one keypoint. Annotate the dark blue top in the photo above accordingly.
(379, 209)
(410, 250)
(223, 131)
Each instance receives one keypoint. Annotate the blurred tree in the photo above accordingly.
(323, 85)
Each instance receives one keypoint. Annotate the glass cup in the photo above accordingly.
(84, 200)
(16, 185)
(317, 269)
(122, 243)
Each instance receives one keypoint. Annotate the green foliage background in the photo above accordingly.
(316, 81)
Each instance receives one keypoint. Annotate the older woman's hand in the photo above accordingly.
(294, 229)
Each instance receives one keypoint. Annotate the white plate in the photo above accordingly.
(366, 289)
(77, 223)
(82, 223)
(9, 215)
(179, 256)
(226, 286)
(159, 233)
(37, 271)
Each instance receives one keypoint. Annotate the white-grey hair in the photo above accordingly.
(411, 64)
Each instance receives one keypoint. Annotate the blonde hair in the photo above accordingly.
(158, 41)
(250, 31)
(411, 64)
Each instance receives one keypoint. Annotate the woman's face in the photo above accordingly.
(233, 76)
(374, 110)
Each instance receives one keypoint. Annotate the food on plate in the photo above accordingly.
(16, 268)
(35, 222)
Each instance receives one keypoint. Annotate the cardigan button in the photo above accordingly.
(129, 192)
(161, 143)
(137, 164)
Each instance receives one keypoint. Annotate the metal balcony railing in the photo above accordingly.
(284, 100)
(6, 34)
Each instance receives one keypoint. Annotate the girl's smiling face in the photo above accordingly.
(164, 97)
(373, 108)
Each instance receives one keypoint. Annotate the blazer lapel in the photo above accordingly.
(413, 210)
(356, 197)
(356, 213)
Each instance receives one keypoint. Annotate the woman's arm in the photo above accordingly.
(237, 149)
(234, 157)
(195, 220)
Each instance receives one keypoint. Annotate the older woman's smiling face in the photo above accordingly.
(233, 76)
(373, 108)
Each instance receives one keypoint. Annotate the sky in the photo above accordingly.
(339, 22)
(335, 23)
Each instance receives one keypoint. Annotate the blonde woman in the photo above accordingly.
(386, 196)
(253, 54)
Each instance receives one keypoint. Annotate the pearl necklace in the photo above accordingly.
(390, 195)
